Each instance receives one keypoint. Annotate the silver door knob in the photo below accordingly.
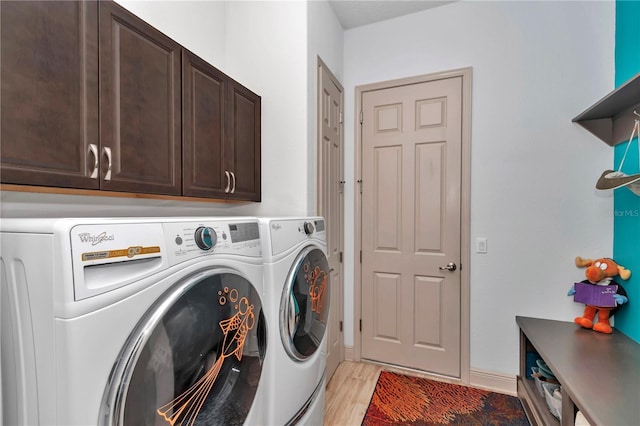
(450, 267)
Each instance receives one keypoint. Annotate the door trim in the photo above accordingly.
(465, 206)
(322, 68)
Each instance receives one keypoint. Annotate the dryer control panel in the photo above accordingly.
(286, 233)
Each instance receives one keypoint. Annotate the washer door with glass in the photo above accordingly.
(195, 359)
(304, 307)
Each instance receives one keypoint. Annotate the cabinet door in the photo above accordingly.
(49, 92)
(203, 92)
(140, 121)
(243, 136)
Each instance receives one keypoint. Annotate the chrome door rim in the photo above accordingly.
(115, 396)
(288, 330)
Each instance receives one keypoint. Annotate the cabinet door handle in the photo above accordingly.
(233, 188)
(93, 149)
(107, 151)
(226, 188)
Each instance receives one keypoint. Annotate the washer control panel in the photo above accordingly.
(109, 255)
(206, 237)
(187, 240)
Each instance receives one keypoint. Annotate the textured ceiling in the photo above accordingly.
(353, 14)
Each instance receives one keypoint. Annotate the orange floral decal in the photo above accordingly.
(317, 281)
(184, 409)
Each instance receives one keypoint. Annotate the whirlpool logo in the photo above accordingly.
(95, 239)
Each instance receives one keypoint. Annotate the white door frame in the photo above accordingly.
(465, 205)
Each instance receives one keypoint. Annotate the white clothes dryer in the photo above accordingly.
(132, 321)
(296, 290)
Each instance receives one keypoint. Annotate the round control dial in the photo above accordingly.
(206, 237)
(308, 228)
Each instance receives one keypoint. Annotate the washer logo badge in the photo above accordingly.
(95, 239)
(184, 409)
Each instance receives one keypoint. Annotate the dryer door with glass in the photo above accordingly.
(304, 307)
(194, 359)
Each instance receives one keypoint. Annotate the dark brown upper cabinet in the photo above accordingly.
(203, 94)
(243, 155)
(140, 117)
(49, 91)
(68, 122)
(221, 134)
(95, 98)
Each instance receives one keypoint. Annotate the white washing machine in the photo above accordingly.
(296, 290)
(132, 322)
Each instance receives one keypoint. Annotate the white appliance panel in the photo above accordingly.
(73, 291)
(295, 383)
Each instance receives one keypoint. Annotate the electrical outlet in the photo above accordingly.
(481, 245)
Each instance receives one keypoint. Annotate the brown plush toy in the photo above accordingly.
(600, 272)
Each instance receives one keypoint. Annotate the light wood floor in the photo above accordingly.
(351, 387)
(349, 392)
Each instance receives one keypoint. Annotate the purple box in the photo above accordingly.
(596, 295)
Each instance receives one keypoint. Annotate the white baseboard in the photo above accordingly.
(489, 380)
(348, 353)
(496, 382)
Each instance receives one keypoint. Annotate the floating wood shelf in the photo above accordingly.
(599, 373)
(611, 118)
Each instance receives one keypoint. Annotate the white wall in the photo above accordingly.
(536, 65)
(267, 52)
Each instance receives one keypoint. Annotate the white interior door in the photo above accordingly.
(411, 225)
(331, 202)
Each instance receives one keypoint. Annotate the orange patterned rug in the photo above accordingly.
(405, 400)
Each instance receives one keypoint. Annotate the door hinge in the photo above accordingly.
(340, 257)
(340, 326)
(361, 117)
(360, 256)
(359, 181)
(340, 118)
(361, 324)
